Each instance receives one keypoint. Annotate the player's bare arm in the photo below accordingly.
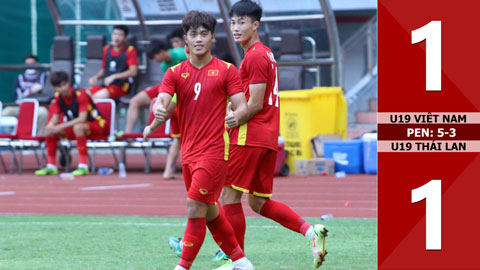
(54, 120)
(164, 115)
(237, 110)
(54, 128)
(82, 118)
(255, 103)
(51, 129)
(161, 114)
(161, 108)
(151, 128)
(170, 110)
(93, 80)
(130, 72)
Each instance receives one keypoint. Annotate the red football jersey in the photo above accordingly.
(259, 66)
(132, 58)
(84, 103)
(201, 102)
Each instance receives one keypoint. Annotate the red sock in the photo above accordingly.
(51, 145)
(223, 234)
(192, 240)
(82, 149)
(282, 214)
(234, 214)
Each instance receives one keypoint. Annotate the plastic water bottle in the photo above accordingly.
(326, 217)
(122, 171)
(66, 176)
(340, 174)
(105, 171)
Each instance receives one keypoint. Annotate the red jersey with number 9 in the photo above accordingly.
(201, 103)
(259, 66)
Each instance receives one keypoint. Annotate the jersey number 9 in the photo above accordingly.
(197, 89)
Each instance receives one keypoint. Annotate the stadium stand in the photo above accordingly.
(264, 38)
(221, 49)
(152, 75)
(93, 63)
(125, 100)
(25, 137)
(291, 78)
(63, 60)
(1, 157)
(159, 139)
(106, 107)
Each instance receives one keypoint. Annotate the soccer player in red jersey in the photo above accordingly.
(254, 143)
(119, 64)
(202, 85)
(83, 120)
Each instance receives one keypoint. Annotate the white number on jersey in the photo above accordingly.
(197, 89)
(275, 90)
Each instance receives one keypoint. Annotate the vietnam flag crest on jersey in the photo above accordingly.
(213, 72)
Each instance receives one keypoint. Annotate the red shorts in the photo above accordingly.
(152, 92)
(174, 127)
(204, 179)
(114, 91)
(251, 169)
(95, 128)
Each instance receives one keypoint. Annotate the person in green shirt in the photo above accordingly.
(169, 57)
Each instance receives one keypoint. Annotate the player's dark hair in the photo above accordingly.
(156, 47)
(59, 77)
(247, 8)
(195, 19)
(124, 28)
(178, 32)
(31, 56)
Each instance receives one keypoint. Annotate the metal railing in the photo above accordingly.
(179, 22)
(21, 67)
(316, 63)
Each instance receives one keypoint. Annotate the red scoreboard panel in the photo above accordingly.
(428, 134)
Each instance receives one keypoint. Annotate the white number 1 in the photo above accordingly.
(197, 89)
(432, 32)
(432, 191)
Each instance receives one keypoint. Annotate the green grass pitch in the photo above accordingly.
(136, 243)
